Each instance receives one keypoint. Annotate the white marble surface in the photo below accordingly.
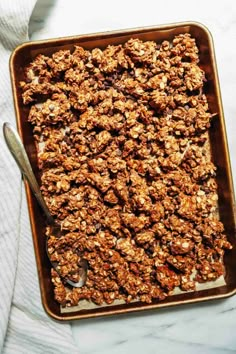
(204, 328)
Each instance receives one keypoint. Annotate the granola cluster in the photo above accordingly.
(123, 149)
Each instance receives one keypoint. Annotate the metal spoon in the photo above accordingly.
(17, 150)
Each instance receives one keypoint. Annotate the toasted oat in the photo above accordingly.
(125, 168)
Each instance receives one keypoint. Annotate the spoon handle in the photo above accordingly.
(17, 149)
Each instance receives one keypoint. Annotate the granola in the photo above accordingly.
(122, 137)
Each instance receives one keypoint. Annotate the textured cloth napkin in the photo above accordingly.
(24, 326)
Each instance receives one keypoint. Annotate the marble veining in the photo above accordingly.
(207, 328)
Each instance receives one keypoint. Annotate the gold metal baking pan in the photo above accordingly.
(25, 53)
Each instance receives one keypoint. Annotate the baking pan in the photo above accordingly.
(25, 53)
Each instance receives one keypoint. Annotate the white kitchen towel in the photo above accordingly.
(24, 326)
